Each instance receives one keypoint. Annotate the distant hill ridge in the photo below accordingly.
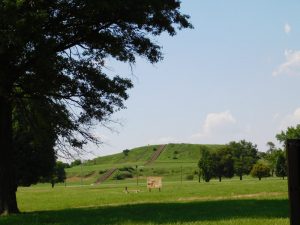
(167, 160)
(171, 153)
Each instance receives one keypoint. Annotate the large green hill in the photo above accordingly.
(176, 161)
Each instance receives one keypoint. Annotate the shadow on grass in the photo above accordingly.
(156, 213)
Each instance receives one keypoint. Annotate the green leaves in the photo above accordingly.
(290, 133)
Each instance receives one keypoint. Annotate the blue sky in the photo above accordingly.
(235, 76)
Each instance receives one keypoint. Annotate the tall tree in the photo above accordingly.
(245, 155)
(58, 174)
(54, 52)
(271, 146)
(206, 164)
(281, 166)
(223, 163)
(271, 156)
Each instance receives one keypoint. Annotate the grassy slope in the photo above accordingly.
(231, 202)
(174, 159)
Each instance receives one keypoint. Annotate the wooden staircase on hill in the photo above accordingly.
(106, 175)
(156, 154)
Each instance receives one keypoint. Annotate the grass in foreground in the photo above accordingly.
(231, 202)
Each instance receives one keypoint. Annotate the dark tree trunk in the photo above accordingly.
(241, 177)
(8, 184)
(259, 178)
(220, 179)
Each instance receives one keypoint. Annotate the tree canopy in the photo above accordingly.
(52, 53)
(290, 133)
(245, 155)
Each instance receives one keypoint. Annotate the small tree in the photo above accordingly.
(126, 152)
(245, 155)
(260, 170)
(206, 165)
(58, 175)
(76, 162)
(223, 163)
(281, 166)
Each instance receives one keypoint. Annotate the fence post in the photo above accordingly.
(293, 159)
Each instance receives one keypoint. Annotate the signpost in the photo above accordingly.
(154, 182)
(293, 158)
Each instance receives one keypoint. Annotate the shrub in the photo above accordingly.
(127, 168)
(189, 177)
(102, 171)
(260, 170)
(76, 162)
(126, 152)
(160, 171)
(123, 175)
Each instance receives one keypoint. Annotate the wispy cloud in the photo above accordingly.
(291, 66)
(287, 28)
(216, 124)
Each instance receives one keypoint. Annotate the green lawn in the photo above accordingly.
(230, 202)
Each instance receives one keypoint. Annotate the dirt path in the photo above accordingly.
(156, 154)
(106, 175)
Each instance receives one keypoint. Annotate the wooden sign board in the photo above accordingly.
(154, 182)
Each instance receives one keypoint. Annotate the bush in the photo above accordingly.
(126, 152)
(175, 152)
(127, 168)
(154, 149)
(76, 162)
(189, 177)
(260, 170)
(160, 171)
(102, 171)
(123, 175)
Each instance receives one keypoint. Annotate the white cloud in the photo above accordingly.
(292, 64)
(290, 120)
(216, 124)
(287, 28)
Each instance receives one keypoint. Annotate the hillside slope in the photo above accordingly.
(174, 160)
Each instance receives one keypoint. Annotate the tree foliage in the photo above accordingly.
(223, 163)
(76, 162)
(271, 156)
(206, 164)
(281, 165)
(245, 155)
(260, 170)
(58, 174)
(290, 133)
(53, 53)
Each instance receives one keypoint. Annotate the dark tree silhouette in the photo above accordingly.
(245, 155)
(53, 53)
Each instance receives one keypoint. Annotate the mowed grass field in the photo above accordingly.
(231, 202)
